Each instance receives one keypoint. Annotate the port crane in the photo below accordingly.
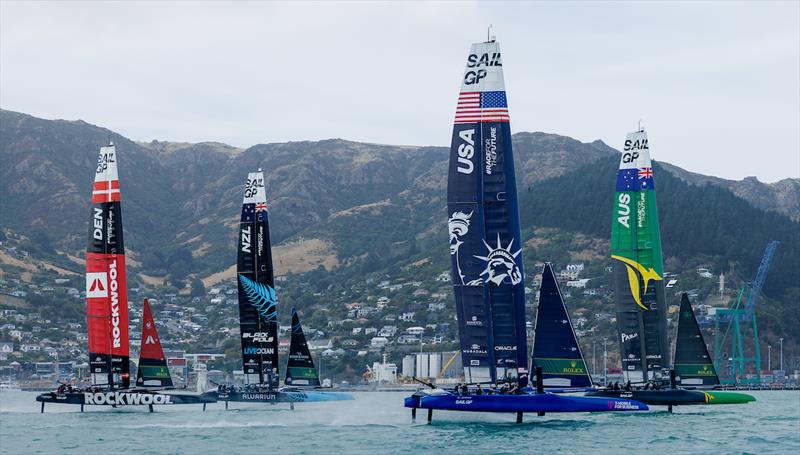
(738, 317)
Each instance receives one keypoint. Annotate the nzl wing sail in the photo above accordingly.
(483, 223)
(637, 264)
(692, 362)
(153, 370)
(258, 315)
(555, 347)
(106, 293)
(300, 368)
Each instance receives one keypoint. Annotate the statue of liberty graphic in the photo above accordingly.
(501, 263)
(458, 226)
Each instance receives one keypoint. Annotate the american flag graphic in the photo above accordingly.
(482, 107)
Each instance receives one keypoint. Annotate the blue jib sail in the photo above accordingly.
(555, 347)
(483, 223)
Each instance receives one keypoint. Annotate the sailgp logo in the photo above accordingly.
(501, 263)
(96, 285)
(635, 270)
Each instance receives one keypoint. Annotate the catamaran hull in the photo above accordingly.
(312, 396)
(290, 396)
(675, 397)
(272, 397)
(118, 398)
(542, 402)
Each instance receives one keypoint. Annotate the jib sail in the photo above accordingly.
(106, 293)
(637, 265)
(300, 368)
(692, 362)
(153, 370)
(483, 224)
(555, 347)
(258, 314)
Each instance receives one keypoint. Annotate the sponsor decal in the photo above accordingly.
(463, 400)
(475, 363)
(125, 398)
(246, 234)
(149, 340)
(96, 285)
(257, 351)
(622, 405)
(258, 337)
(634, 271)
(260, 396)
(261, 296)
(466, 151)
(475, 322)
(501, 264)
(114, 286)
(490, 150)
(505, 348)
(474, 349)
(627, 337)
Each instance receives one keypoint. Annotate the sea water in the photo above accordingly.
(377, 423)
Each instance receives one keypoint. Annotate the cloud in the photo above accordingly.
(717, 85)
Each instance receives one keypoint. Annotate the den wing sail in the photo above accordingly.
(485, 243)
(258, 314)
(692, 362)
(106, 294)
(555, 347)
(637, 264)
(153, 370)
(300, 368)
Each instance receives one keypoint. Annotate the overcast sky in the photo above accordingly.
(716, 84)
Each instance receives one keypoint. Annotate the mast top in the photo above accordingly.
(489, 37)
(640, 126)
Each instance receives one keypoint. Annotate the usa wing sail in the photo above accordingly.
(300, 370)
(637, 265)
(258, 314)
(106, 291)
(692, 363)
(153, 370)
(483, 224)
(555, 347)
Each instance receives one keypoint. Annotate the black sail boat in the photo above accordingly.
(555, 346)
(692, 364)
(258, 311)
(300, 370)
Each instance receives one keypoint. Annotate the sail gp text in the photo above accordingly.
(123, 398)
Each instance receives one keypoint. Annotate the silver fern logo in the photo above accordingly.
(262, 297)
